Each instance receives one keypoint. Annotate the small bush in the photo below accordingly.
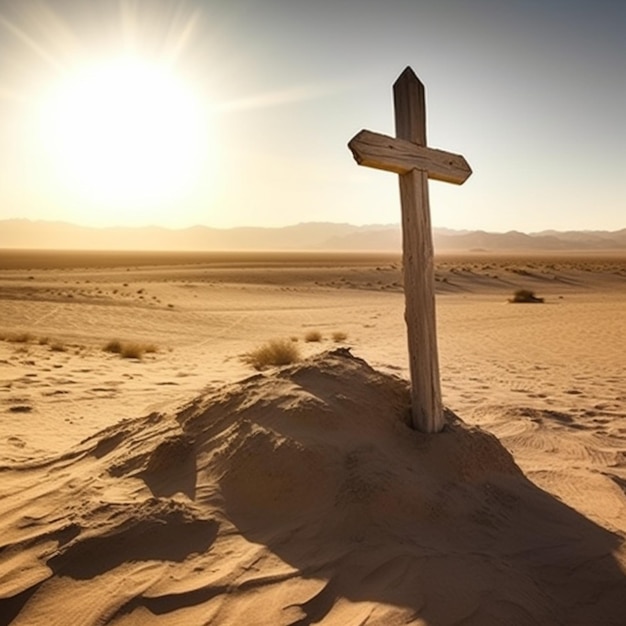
(339, 336)
(58, 347)
(130, 349)
(274, 352)
(313, 336)
(114, 346)
(21, 337)
(525, 295)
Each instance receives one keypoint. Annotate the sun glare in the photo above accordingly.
(126, 133)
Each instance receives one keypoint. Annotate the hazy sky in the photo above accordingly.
(531, 92)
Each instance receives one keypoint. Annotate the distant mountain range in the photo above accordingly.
(20, 233)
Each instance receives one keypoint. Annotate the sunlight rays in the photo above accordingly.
(118, 125)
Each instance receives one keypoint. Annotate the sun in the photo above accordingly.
(127, 134)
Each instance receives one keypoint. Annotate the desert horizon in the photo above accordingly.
(313, 236)
(134, 417)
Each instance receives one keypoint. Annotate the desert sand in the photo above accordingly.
(185, 487)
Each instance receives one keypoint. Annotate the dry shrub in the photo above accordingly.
(20, 337)
(114, 346)
(57, 346)
(132, 351)
(313, 336)
(129, 349)
(525, 295)
(274, 352)
(339, 336)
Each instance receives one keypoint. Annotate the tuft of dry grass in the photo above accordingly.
(274, 352)
(313, 336)
(114, 346)
(339, 336)
(18, 337)
(525, 295)
(130, 349)
(27, 338)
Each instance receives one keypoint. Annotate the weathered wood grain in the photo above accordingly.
(417, 254)
(397, 155)
(419, 294)
(409, 107)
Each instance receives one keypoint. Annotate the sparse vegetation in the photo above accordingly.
(132, 351)
(525, 295)
(18, 337)
(129, 349)
(114, 346)
(274, 352)
(339, 336)
(27, 338)
(313, 336)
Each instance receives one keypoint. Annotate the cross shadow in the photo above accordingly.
(444, 528)
(513, 553)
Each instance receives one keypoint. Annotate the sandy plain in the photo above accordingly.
(538, 514)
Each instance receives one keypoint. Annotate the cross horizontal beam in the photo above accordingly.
(402, 156)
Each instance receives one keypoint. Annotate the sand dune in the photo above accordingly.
(296, 497)
(184, 488)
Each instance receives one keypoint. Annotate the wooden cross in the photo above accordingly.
(407, 155)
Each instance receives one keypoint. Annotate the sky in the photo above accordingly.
(177, 113)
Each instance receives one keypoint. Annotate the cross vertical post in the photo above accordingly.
(408, 156)
(418, 261)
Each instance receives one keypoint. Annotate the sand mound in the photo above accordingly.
(297, 497)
